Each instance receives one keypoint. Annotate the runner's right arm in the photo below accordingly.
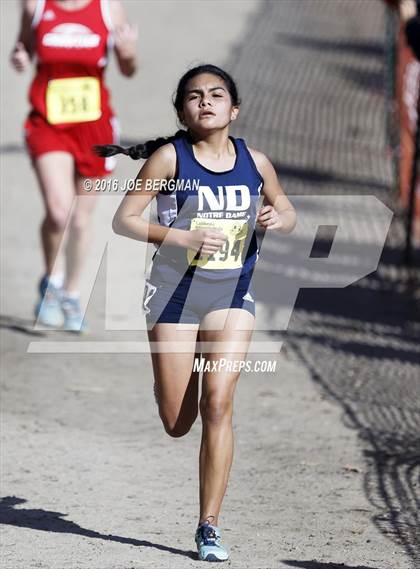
(22, 52)
(128, 221)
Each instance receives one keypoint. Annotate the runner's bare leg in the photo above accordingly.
(55, 174)
(216, 406)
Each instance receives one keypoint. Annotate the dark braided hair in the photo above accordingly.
(142, 150)
(146, 149)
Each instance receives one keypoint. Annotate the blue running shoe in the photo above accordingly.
(207, 538)
(48, 309)
(73, 318)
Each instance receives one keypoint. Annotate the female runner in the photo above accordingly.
(70, 40)
(199, 287)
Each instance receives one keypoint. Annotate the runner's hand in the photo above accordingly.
(125, 38)
(269, 218)
(20, 57)
(408, 9)
(207, 241)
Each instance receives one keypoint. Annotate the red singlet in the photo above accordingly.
(70, 103)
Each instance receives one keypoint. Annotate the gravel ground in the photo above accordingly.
(325, 473)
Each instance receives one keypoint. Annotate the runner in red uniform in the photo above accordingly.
(70, 41)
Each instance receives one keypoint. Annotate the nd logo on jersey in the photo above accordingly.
(235, 198)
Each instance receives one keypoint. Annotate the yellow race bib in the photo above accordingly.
(230, 255)
(74, 99)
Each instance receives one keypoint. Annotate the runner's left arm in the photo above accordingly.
(125, 37)
(277, 211)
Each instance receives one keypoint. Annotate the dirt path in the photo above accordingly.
(90, 479)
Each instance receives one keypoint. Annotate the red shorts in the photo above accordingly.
(78, 140)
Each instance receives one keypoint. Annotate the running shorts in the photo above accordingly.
(41, 137)
(193, 297)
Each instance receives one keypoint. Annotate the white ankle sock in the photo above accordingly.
(56, 279)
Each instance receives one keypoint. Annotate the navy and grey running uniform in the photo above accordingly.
(184, 286)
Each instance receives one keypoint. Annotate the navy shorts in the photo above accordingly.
(194, 297)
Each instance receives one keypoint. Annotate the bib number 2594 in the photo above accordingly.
(230, 255)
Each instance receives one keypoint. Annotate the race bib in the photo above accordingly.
(230, 255)
(74, 99)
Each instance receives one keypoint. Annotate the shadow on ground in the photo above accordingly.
(16, 324)
(317, 565)
(44, 520)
